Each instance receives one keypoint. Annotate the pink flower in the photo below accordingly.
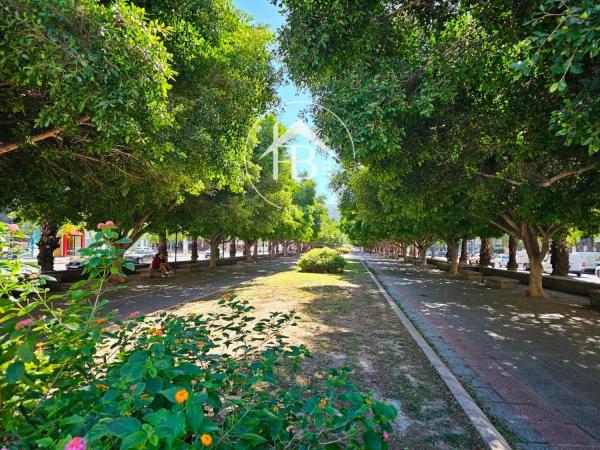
(100, 225)
(109, 223)
(13, 227)
(23, 324)
(386, 436)
(133, 387)
(77, 443)
(134, 314)
(33, 276)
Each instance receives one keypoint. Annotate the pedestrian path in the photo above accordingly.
(532, 363)
(149, 295)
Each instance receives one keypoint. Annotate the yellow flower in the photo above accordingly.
(192, 315)
(39, 345)
(276, 408)
(102, 387)
(322, 404)
(156, 331)
(181, 396)
(206, 439)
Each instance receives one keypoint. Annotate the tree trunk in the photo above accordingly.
(48, 242)
(464, 251)
(560, 256)
(248, 250)
(194, 248)
(485, 254)
(536, 254)
(453, 255)
(232, 248)
(285, 248)
(256, 248)
(423, 253)
(162, 243)
(214, 250)
(512, 253)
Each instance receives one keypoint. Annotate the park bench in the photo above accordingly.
(470, 275)
(500, 282)
(595, 298)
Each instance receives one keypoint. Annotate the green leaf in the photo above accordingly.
(254, 439)
(124, 426)
(134, 439)
(372, 440)
(25, 352)
(15, 371)
(195, 415)
(44, 442)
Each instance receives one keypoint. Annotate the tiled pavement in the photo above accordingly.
(532, 363)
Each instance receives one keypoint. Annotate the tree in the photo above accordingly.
(80, 77)
(429, 86)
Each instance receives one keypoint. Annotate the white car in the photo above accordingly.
(139, 255)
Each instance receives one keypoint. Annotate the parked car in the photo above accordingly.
(77, 262)
(502, 260)
(473, 258)
(583, 262)
(139, 255)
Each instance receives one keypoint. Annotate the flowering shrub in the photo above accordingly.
(74, 378)
(322, 260)
(344, 250)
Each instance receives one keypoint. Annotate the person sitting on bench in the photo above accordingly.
(159, 262)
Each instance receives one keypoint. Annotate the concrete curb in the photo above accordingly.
(488, 432)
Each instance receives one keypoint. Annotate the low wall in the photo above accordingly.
(561, 284)
(72, 275)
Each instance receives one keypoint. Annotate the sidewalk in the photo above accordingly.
(532, 363)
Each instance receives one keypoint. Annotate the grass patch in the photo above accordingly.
(346, 322)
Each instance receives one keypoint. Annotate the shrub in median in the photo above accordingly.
(322, 260)
(344, 250)
(71, 377)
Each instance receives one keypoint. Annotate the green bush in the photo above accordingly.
(71, 378)
(322, 260)
(344, 250)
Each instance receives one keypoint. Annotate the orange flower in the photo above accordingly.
(206, 439)
(100, 321)
(102, 387)
(156, 331)
(226, 296)
(181, 396)
(192, 315)
(322, 404)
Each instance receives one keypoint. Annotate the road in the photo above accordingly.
(534, 364)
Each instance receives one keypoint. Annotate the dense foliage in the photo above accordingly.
(322, 260)
(468, 118)
(74, 376)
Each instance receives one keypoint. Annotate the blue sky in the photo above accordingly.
(263, 12)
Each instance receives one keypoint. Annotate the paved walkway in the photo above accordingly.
(152, 294)
(532, 363)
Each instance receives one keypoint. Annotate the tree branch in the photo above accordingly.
(562, 175)
(495, 177)
(6, 148)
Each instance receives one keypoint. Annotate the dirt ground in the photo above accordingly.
(346, 322)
